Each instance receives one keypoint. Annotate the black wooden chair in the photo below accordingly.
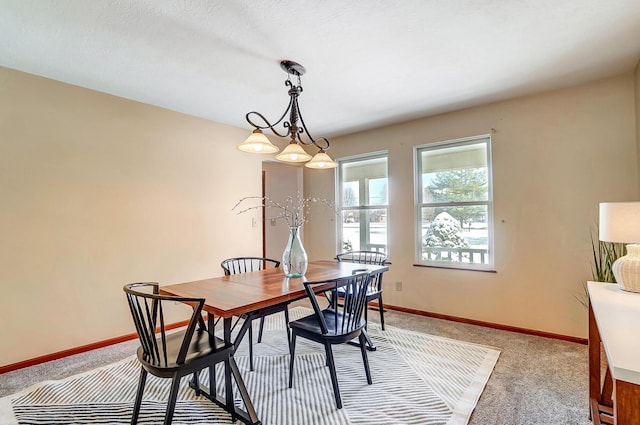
(176, 354)
(375, 287)
(249, 264)
(336, 324)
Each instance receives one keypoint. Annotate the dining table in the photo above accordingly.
(251, 293)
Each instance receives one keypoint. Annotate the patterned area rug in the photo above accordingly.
(417, 379)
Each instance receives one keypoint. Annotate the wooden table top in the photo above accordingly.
(228, 296)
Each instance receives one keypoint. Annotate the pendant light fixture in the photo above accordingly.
(293, 128)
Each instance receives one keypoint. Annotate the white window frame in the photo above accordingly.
(419, 205)
(338, 191)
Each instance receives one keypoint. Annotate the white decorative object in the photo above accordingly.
(620, 222)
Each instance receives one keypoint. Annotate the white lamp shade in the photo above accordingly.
(293, 153)
(321, 160)
(257, 142)
(620, 222)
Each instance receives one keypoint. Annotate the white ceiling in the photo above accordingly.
(369, 62)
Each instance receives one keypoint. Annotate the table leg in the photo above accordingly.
(211, 326)
(226, 329)
(249, 416)
(231, 372)
(594, 366)
(243, 330)
(601, 405)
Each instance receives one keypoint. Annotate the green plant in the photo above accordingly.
(604, 254)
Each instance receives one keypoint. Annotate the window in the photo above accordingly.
(454, 204)
(363, 203)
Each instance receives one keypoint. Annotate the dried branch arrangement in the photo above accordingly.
(294, 211)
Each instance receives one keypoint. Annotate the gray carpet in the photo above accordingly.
(536, 380)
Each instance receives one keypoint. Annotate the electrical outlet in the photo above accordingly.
(399, 285)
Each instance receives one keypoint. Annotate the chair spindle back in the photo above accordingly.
(367, 257)
(363, 257)
(246, 264)
(347, 316)
(147, 312)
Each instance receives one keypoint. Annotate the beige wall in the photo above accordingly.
(98, 191)
(555, 157)
(637, 98)
(281, 181)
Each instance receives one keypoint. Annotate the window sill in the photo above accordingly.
(455, 268)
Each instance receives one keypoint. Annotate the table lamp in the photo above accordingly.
(620, 222)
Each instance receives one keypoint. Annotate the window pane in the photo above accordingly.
(455, 234)
(378, 192)
(350, 194)
(455, 174)
(350, 230)
(363, 203)
(364, 230)
(350, 216)
(358, 170)
(377, 230)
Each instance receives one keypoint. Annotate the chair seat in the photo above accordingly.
(202, 345)
(309, 324)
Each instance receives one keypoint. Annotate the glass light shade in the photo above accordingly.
(321, 160)
(257, 142)
(293, 153)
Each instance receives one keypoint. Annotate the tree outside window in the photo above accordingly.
(466, 185)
